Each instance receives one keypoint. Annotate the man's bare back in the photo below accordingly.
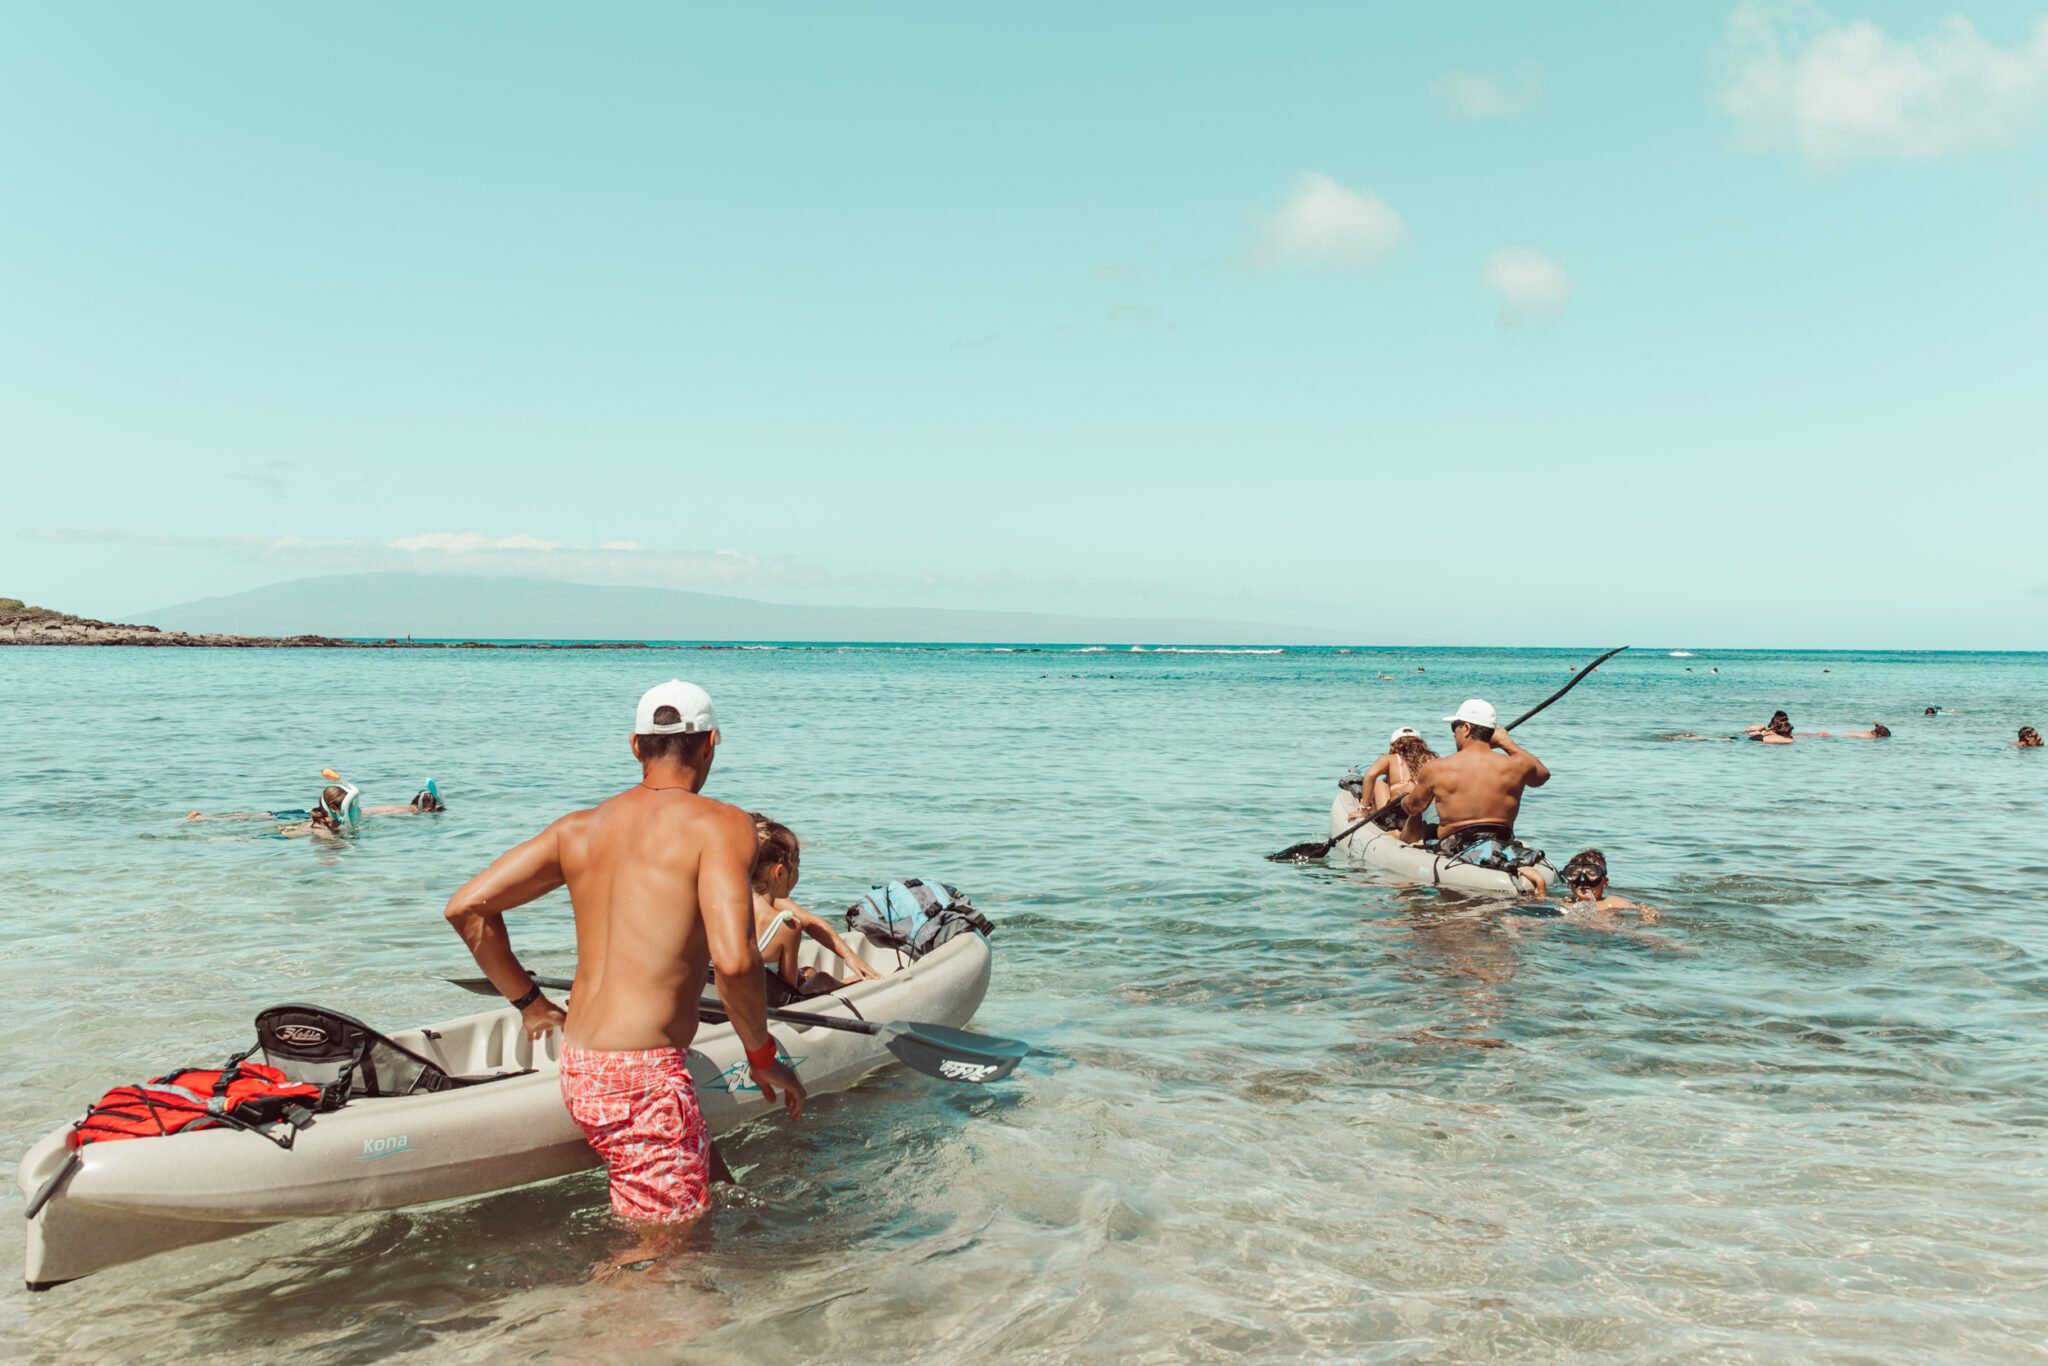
(648, 871)
(1479, 784)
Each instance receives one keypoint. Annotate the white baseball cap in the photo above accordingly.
(1406, 733)
(1476, 713)
(693, 710)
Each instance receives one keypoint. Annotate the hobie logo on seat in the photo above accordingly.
(966, 1071)
(292, 1033)
(374, 1148)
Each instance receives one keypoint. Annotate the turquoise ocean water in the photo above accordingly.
(1278, 1112)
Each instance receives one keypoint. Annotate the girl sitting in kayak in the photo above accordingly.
(780, 924)
(1392, 777)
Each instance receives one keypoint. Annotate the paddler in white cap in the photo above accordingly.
(1392, 777)
(1478, 793)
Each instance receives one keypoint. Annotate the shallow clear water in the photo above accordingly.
(1278, 1111)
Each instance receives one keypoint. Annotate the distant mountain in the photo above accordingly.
(463, 607)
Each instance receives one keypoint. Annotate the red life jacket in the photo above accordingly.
(241, 1095)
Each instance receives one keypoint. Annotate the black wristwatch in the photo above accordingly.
(528, 999)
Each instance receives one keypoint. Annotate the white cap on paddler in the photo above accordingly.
(1404, 733)
(1476, 713)
(693, 710)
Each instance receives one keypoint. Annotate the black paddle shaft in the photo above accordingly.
(937, 1050)
(1295, 853)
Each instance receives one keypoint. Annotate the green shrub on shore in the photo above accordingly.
(14, 609)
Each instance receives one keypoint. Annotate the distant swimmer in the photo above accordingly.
(1392, 777)
(1586, 878)
(2029, 738)
(1478, 794)
(1878, 731)
(1776, 731)
(339, 807)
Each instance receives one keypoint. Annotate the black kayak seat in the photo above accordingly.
(326, 1048)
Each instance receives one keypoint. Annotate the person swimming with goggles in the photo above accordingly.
(339, 808)
(1585, 879)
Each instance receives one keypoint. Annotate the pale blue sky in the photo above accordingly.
(1173, 310)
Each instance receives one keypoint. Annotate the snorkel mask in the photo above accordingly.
(351, 806)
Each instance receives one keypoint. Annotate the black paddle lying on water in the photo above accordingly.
(934, 1049)
(1315, 849)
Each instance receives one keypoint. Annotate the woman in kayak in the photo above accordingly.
(1392, 777)
(780, 924)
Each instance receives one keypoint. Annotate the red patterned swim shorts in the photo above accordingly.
(639, 1111)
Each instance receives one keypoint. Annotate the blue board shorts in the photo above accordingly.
(1489, 847)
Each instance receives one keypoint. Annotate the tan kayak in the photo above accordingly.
(1383, 849)
(131, 1199)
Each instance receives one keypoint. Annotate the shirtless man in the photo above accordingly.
(658, 880)
(1478, 793)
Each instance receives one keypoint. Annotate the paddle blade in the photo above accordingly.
(953, 1054)
(1303, 853)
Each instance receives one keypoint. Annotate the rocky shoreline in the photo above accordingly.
(21, 624)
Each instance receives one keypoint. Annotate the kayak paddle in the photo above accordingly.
(934, 1049)
(1315, 849)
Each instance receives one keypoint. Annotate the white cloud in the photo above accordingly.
(469, 543)
(470, 552)
(1478, 95)
(1530, 284)
(1324, 225)
(1842, 92)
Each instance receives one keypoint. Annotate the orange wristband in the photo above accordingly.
(764, 1056)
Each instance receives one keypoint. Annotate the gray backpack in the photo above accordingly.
(915, 915)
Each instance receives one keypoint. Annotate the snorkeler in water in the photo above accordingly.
(1776, 731)
(1585, 877)
(340, 807)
